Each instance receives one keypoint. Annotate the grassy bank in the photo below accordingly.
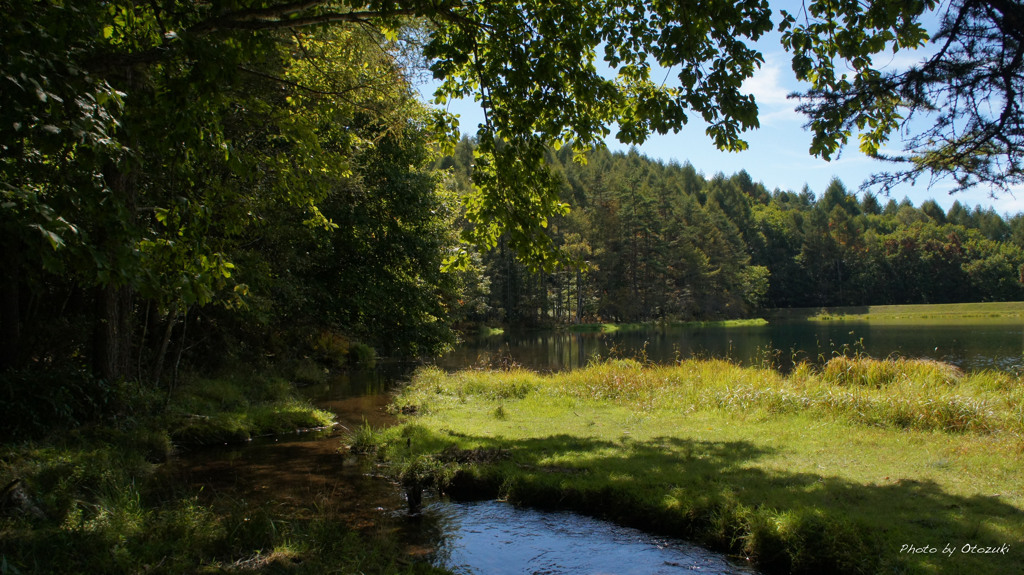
(626, 327)
(952, 312)
(89, 498)
(841, 469)
(213, 411)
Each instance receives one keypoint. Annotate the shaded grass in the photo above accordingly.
(97, 505)
(828, 470)
(207, 411)
(106, 512)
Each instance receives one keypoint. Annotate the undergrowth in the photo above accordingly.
(90, 499)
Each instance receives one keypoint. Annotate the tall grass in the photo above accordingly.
(823, 469)
(896, 392)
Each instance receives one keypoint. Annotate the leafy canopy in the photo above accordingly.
(561, 73)
(961, 109)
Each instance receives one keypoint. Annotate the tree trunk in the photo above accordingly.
(579, 296)
(161, 356)
(10, 313)
(112, 332)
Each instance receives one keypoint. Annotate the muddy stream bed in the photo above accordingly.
(306, 471)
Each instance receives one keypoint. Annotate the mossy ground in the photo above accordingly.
(210, 411)
(823, 470)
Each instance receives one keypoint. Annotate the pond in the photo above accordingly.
(970, 344)
(493, 537)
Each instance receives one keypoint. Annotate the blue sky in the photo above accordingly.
(778, 155)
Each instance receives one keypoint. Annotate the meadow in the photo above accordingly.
(989, 311)
(857, 466)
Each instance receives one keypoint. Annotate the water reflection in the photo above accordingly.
(308, 471)
(492, 537)
(971, 346)
(303, 471)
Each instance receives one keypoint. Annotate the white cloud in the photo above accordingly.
(771, 86)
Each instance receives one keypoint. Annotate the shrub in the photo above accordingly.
(331, 348)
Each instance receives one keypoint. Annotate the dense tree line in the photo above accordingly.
(660, 241)
(197, 179)
(245, 193)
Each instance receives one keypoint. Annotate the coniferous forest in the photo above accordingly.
(666, 242)
(183, 184)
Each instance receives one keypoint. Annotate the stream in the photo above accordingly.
(489, 537)
(493, 537)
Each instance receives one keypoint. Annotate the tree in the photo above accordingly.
(970, 91)
(132, 154)
(144, 142)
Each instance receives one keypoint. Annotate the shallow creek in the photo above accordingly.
(304, 471)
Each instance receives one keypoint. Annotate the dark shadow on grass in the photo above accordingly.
(713, 493)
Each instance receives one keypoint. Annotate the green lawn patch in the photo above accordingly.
(727, 323)
(626, 327)
(594, 327)
(951, 312)
(845, 469)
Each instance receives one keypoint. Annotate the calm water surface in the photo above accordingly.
(303, 471)
(494, 538)
(971, 345)
(307, 471)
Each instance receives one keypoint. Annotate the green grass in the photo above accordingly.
(954, 312)
(625, 327)
(97, 503)
(829, 470)
(595, 327)
(727, 323)
(210, 411)
(105, 511)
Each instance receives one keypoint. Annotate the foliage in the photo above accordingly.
(162, 168)
(268, 157)
(664, 243)
(36, 405)
(966, 92)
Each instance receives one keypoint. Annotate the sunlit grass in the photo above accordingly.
(946, 313)
(828, 469)
(595, 327)
(488, 331)
(727, 323)
(626, 327)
